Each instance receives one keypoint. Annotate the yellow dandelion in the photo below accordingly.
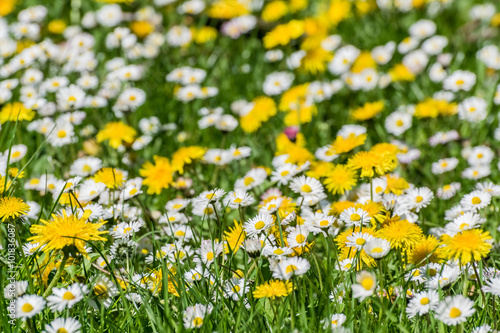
(117, 133)
(340, 179)
(12, 208)
(111, 177)
(66, 231)
(157, 176)
(426, 250)
(16, 111)
(468, 245)
(273, 288)
(401, 234)
(371, 163)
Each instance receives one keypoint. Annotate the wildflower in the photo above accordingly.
(68, 325)
(371, 163)
(29, 306)
(12, 208)
(64, 231)
(117, 133)
(290, 267)
(455, 310)
(16, 111)
(401, 234)
(272, 289)
(66, 297)
(104, 290)
(468, 245)
(194, 316)
(422, 303)
(365, 286)
(426, 250)
(157, 176)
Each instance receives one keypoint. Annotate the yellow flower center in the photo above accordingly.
(323, 223)
(476, 201)
(71, 99)
(367, 283)
(101, 291)
(177, 206)
(279, 251)
(377, 250)
(198, 321)
(87, 168)
(236, 289)
(61, 134)
(259, 225)
(454, 313)
(180, 233)
(360, 241)
(68, 296)
(300, 238)
(306, 188)
(355, 217)
(210, 256)
(284, 173)
(424, 301)
(248, 180)
(62, 330)
(27, 307)
(16, 154)
(419, 199)
(399, 123)
(291, 268)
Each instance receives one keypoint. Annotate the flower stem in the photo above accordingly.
(57, 276)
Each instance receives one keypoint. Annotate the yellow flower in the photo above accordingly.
(401, 234)
(227, 9)
(431, 108)
(401, 73)
(368, 111)
(111, 177)
(186, 155)
(12, 208)
(263, 109)
(396, 184)
(142, 28)
(65, 231)
(319, 169)
(283, 34)
(363, 61)
(468, 245)
(315, 60)
(297, 153)
(157, 176)
(56, 27)
(338, 11)
(205, 34)
(426, 250)
(340, 179)
(344, 145)
(234, 238)
(15, 111)
(7, 6)
(14, 172)
(372, 163)
(273, 288)
(117, 133)
(274, 10)
(339, 206)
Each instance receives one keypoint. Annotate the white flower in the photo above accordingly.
(66, 297)
(455, 310)
(365, 286)
(29, 305)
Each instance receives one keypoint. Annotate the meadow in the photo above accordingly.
(249, 166)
